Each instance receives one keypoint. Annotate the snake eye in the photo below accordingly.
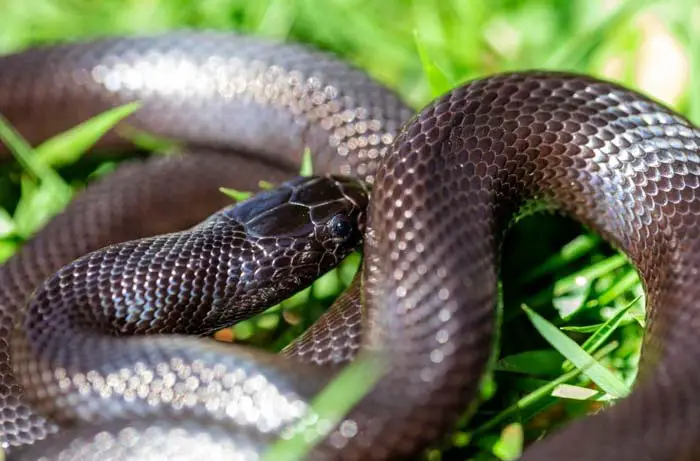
(340, 227)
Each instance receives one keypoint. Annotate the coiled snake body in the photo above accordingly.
(445, 184)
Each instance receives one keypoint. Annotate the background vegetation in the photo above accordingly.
(582, 297)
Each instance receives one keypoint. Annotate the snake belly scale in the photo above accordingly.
(446, 183)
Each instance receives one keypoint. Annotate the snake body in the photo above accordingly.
(446, 183)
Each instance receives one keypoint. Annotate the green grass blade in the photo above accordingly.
(438, 80)
(306, 169)
(603, 333)
(579, 357)
(307, 164)
(278, 19)
(235, 194)
(583, 328)
(67, 147)
(694, 56)
(569, 302)
(7, 249)
(574, 52)
(570, 252)
(44, 192)
(538, 395)
(589, 273)
(148, 141)
(39, 202)
(330, 406)
(509, 446)
(541, 362)
(571, 392)
(23, 153)
(7, 225)
(327, 285)
(624, 284)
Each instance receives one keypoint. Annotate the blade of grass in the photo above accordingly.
(573, 52)
(509, 446)
(602, 333)
(149, 142)
(278, 19)
(579, 357)
(571, 301)
(582, 329)
(540, 362)
(577, 285)
(591, 272)
(235, 194)
(7, 225)
(327, 285)
(7, 249)
(329, 407)
(67, 147)
(694, 56)
(625, 283)
(22, 151)
(570, 252)
(307, 164)
(306, 169)
(44, 192)
(39, 202)
(536, 396)
(569, 391)
(438, 80)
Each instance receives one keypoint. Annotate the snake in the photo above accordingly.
(106, 313)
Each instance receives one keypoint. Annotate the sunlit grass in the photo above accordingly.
(586, 306)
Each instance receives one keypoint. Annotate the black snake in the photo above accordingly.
(445, 184)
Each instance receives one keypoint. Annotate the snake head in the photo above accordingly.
(306, 225)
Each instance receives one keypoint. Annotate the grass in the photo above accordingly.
(575, 347)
